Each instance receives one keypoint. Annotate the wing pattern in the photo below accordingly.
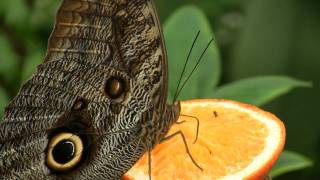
(92, 40)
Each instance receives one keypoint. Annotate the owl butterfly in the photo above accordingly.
(97, 102)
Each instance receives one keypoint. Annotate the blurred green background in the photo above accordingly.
(266, 53)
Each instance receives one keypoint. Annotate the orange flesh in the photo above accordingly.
(229, 140)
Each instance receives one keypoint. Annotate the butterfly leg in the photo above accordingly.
(198, 125)
(149, 163)
(180, 122)
(185, 145)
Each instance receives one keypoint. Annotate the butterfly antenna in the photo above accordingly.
(185, 65)
(195, 67)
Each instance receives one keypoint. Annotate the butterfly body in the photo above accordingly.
(104, 80)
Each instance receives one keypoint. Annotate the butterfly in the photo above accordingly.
(97, 102)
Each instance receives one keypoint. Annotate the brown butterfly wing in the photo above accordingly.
(92, 41)
(122, 34)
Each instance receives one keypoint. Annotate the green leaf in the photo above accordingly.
(180, 31)
(288, 162)
(43, 13)
(265, 43)
(259, 90)
(3, 101)
(16, 13)
(9, 61)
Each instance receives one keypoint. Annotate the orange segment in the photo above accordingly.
(236, 141)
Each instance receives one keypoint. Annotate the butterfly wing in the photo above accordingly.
(94, 42)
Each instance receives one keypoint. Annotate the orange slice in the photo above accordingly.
(236, 141)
